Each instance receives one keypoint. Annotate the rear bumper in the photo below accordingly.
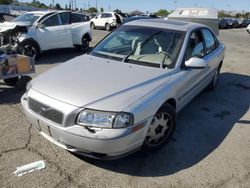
(78, 139)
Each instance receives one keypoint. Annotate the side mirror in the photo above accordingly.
(196, 63)
(39, 25)
(96, 17)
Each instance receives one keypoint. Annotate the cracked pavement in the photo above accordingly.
(210, 148)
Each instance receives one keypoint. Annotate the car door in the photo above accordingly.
(55, 32)
(97, 20)
(103, 19)
(194, 80)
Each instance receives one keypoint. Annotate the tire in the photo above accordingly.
(160, 133)
(213, 84)
(22, 83)
(85, 44)
(92, 25)
(108, 27)
(28, 48)
(11, 81)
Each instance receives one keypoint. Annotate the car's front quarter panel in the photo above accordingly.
(77, 138)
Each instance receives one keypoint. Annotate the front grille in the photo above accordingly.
(45, 111)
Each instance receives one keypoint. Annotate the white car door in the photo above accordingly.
(103, 19)
(97, 20)
(54, 34)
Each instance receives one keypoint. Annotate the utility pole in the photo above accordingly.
(175, 3)
(96, 4)
(53, 3)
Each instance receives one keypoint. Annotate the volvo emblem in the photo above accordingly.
(44, 110)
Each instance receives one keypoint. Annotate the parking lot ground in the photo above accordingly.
(210, 148)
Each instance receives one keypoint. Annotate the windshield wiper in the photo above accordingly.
(167, 52)
(143, 42)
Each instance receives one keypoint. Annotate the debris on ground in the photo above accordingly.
(38, 165)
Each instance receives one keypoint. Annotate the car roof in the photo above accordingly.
(167, 24)
(40, 12)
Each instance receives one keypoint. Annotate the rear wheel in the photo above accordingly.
(161, 128)
(108, 27)
(92, 25)
(85, 45)
(11, 81)
(213, 84)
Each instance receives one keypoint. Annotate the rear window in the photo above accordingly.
(65, 18)
(76, 18)
(106, 15)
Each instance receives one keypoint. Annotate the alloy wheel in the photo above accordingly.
(159, 129)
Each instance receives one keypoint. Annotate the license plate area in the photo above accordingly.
(43, 128)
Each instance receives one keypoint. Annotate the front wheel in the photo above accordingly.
(161, 128)
(28, 48)
(84, 46)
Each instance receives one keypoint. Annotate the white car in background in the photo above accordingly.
(35, 32)
(248, 28)
(107, 20)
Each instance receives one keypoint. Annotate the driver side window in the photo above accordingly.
(195, 47)
(52, 21)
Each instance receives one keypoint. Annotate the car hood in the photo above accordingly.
(12, 25)
(97, 83)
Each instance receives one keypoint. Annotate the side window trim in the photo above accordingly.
(215, 41)
(203, 41)
(182, 65)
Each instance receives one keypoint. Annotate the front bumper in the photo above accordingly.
(101, 144)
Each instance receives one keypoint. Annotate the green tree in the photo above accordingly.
(101, 9)
(57, 6)
(162, 12)
(6, 2)
(223, 14)
(238, 15)
(247, 15)
(92, 10)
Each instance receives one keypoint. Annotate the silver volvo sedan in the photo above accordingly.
(124, 95)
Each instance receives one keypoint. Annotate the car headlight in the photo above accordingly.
(101, 119)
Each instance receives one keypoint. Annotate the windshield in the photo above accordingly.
(31, 18)
(146, 46)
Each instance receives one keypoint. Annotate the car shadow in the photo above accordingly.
(201, 127)
(58, 55)
(9, 95)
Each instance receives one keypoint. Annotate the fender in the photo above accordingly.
(24, 37)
